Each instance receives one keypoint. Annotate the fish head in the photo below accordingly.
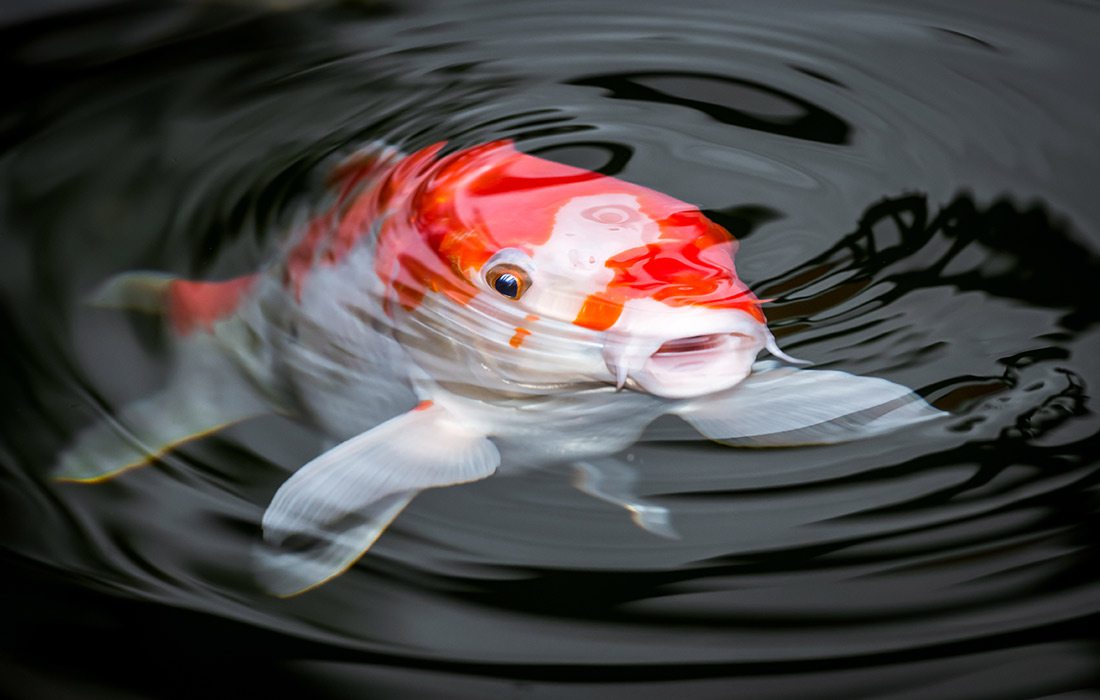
(586, 275)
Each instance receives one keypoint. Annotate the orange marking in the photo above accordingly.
(599, 312)
(531, 317)
(192, 306)
(361, 197)
(424, 405)
(518, 338)
(691, 264)
(682, 273)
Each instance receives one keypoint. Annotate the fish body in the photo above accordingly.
(450, 314)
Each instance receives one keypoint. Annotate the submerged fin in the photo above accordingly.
(136, 291)
(188, 305)
(333, 509)
(204, 395)
(778, 406)
(613, 481)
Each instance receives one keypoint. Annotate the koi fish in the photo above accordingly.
(452, 313)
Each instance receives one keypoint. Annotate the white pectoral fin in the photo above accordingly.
(614, 481)
(779, 405)
(333, 509)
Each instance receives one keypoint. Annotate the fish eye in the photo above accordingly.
(509, 280)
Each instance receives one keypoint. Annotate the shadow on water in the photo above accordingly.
(1003, 250)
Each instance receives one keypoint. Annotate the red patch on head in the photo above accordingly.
(682, 274)
(443, 218)
(691, 264)
(456, 215)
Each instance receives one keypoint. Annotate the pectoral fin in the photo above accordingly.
(334, 508)
(613, 481)
(779, 405)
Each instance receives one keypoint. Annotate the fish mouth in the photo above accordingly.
(690, 365)
(694, 352)
(698, 364)
(692, 344)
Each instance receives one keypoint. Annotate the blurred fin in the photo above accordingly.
(136, 291)
(205, 394)
(189, 305)
(613, 481)
(781, 406)
(332, 510)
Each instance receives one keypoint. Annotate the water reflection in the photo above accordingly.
(736, 102)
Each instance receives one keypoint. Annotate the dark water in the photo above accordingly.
(914, 183)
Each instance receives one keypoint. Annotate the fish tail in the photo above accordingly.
(205, 393)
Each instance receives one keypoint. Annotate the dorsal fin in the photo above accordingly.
(188, 305)
(197, 305)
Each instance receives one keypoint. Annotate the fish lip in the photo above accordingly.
(712, 353)
(692, 344)
(697, 365)
(689, 365)
(691, 354)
